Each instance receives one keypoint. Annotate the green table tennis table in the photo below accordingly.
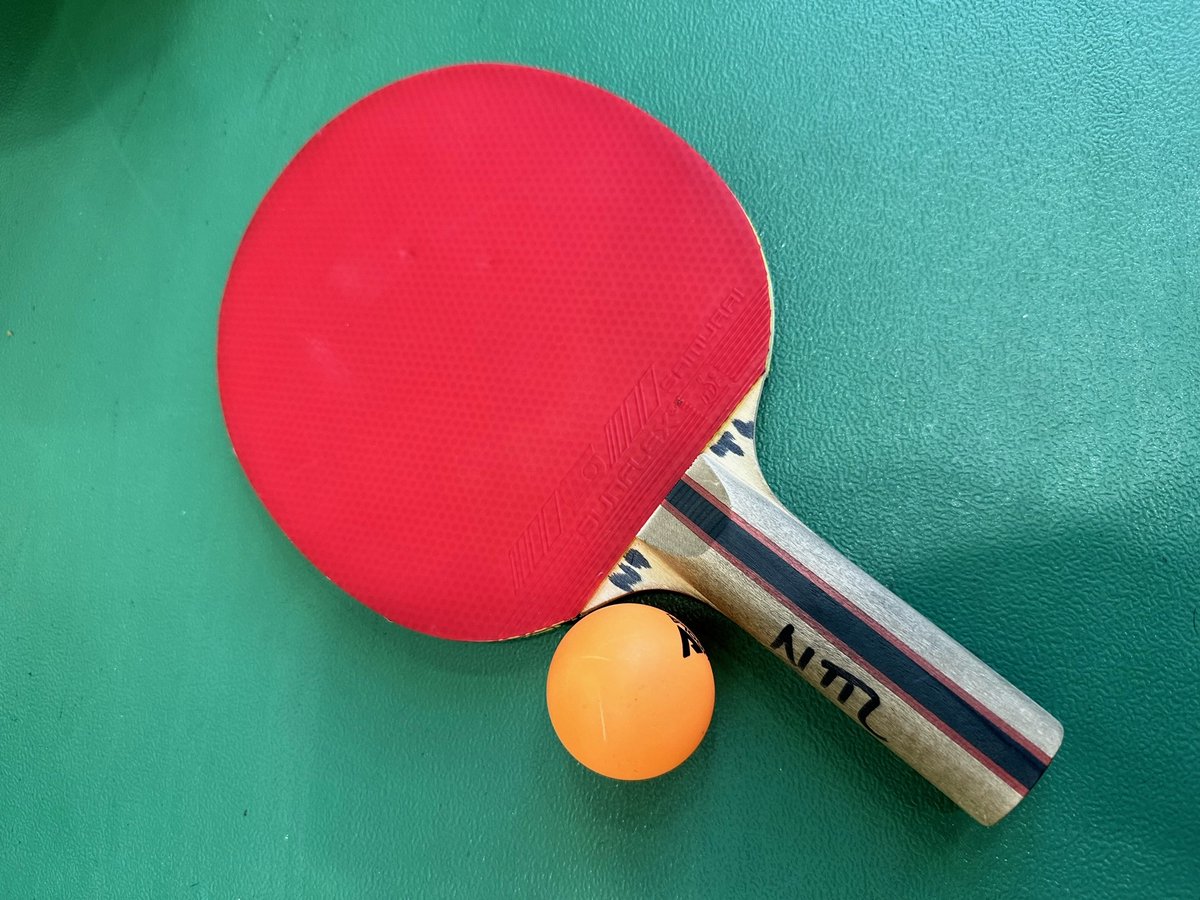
(983, 227)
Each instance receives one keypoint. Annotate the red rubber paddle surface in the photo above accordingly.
(475, 332)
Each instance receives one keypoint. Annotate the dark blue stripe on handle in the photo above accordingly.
(871, 646)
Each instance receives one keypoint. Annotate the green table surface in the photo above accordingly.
(983, 225)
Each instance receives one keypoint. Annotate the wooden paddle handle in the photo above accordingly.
(905, 681)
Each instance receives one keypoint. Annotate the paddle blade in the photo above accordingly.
(475, 332)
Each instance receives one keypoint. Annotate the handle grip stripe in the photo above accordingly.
(878, 652)
(890, 635)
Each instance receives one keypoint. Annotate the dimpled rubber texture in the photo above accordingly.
(475, 332)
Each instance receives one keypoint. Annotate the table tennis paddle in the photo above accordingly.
(490, 354)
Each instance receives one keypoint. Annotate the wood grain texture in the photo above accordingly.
(723, 537)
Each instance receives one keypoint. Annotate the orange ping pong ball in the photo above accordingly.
(630, 691)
